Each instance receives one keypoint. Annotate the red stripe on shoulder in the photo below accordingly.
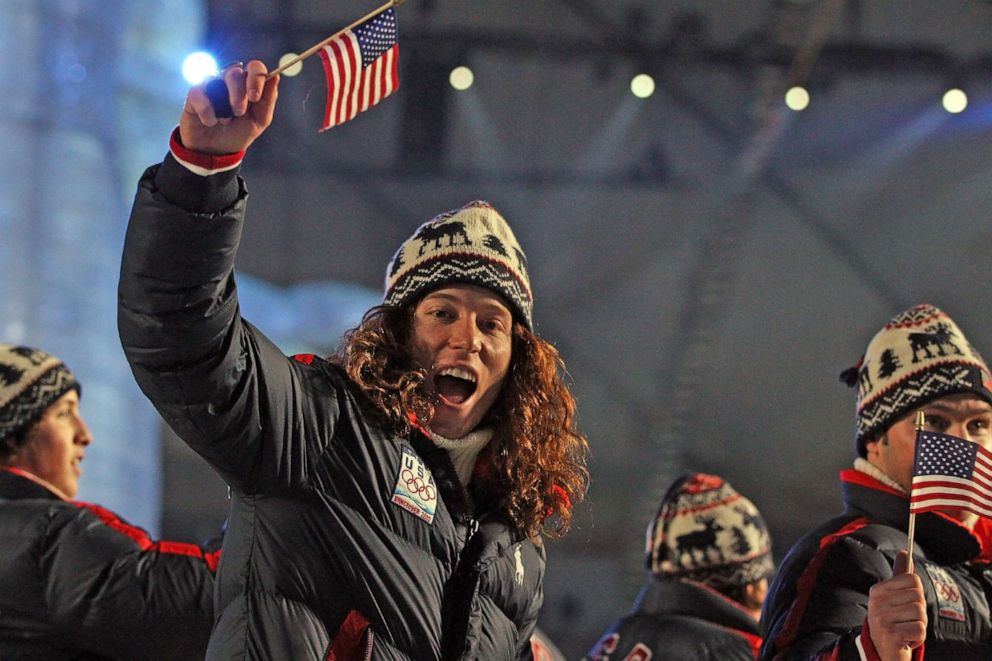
(753, 640)
(852, 476)
(191, 550)
(111, 520)
(305, 358)
(144, 541)
(807, 581)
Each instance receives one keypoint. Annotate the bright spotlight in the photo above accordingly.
(197, 66)
(295, 69)
(642, 86)
(461, 78)
(955, 100)
(797, 98)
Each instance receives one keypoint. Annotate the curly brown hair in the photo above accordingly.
(538, 457)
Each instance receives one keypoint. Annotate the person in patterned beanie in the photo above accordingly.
(31, 381)
(709, 558)
(391, 499)
(848, 589)
(80, 582)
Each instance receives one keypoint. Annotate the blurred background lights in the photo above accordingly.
(797, 98)
(76, 73)
(198, 66)
(293, 70)
(461, 78)
(955, 100)
(642, 85)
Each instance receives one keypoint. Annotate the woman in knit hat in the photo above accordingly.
(77, 581)
(389, 501)
(709, 558)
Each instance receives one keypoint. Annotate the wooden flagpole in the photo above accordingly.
(316, 47)
(920, 426)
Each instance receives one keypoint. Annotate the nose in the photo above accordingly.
(465, 335)
(83, 435)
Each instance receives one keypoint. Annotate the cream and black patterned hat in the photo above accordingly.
(706, 531)
(919, 356)
(470, 245)
(30, 381)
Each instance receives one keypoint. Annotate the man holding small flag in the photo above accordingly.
(849, 589)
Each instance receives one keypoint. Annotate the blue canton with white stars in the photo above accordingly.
(943, 454)
(376, 36)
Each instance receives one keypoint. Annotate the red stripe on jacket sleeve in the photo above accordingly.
(199, 163)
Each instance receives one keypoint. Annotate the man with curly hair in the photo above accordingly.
(387, 502)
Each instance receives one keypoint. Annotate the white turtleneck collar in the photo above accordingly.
(874, 471)
(464, 451)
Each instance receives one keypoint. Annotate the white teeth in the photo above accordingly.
(457, 372)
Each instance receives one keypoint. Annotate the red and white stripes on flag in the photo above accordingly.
(950, 472)
(362, 68)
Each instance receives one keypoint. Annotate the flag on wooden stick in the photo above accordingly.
(362, 68)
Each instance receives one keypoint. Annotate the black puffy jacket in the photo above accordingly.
(819, 600)
(684, 620)
(344, 537)
(77, 582)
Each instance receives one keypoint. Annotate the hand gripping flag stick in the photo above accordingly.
(316, 47)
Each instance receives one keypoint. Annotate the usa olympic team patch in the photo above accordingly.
(950, 604)
(415, 490)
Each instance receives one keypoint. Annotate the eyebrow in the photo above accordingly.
(493, 301)
(971, 408)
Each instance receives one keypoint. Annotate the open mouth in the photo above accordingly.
(454, 385)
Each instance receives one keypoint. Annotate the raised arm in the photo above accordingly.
(223, 387)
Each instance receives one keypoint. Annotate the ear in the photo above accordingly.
(755, 593)
(872, 446)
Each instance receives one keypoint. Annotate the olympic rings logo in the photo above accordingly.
(948, 592)
(417, 486)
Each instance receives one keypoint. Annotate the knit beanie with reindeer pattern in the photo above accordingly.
(707, 532)
(919, 356)
(471, 245)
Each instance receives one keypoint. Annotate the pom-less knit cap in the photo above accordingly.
(470, 245)
(919, 356)
(30, 381)
(707, 532)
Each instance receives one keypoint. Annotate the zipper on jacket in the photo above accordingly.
(473, 527)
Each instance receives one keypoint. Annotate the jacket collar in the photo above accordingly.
(20, 485)
(945, 540)
(670, 596)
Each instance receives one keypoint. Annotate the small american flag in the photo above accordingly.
(362, 68)
(951, 472)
